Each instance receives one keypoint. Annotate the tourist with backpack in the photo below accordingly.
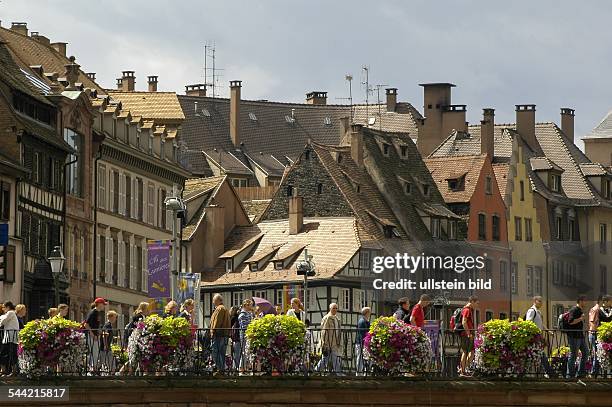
(463, 324)
(573, 325)
(534, 314)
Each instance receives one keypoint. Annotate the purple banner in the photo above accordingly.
(159, 268)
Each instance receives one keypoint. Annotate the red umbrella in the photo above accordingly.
(265, 307)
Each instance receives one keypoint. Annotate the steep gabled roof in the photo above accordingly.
(466, 169)
(162, 107)
(331, 241)
(603, 128)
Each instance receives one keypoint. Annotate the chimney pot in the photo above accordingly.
(567, 122)
(487, 132)
(296, 214)
(316, 98)
(198, 89)
(152, 81)
(357, 144)
(525, 124)
(59, 47)
(391, 99)
(21, 28)
(91, 75)
(235, 87)
(128, 81)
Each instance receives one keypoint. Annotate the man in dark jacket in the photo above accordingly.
(363, 326)
(403, 310)
(576, 339)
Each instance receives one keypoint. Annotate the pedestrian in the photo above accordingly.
(363, 326)
(171, 309)
(62, 310)
(466, 340)
(109, 335)
(575, 338)
(278, 310)
(297, 310)
(330, 341)
(52, 312)
(10, 339)
(219, 331)
(534, 314)
(244, 319)
(187, 310)
(403, 310)
(21, 311)
(140, 313)
(597, 315)
(3, 355)
(92, 324)
(417, 316)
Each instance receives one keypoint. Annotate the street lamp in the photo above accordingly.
(57, 259)
(306, 268)
(177, 206)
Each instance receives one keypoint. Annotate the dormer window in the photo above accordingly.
(408, 188)
(426, 189)
(253, 267)
(555, 182)
(435, 228)
(390, 231)
(456, 184)
(339, 159)
(229, 265)
(327, 121)
(278, 265)
(606, 184)
(385, 148)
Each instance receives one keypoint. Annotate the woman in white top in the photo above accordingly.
(297, 310)
(10, 322)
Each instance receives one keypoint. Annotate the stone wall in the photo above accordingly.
(315, 392)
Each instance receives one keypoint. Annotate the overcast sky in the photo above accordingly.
(551, 53)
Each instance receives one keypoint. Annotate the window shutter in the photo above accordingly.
(120, 263)
(98, 257)
(111, 190)
(109, 261)
(132, 266)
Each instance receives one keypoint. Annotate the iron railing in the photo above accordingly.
(228, 353)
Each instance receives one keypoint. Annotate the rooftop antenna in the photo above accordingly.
(214, 72)
(349, 78)
(368, 90)
(378, 87)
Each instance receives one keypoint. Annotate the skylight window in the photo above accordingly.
(205, 112)
(252, 116)
(327, 121)
(289, 119)
(371, 121)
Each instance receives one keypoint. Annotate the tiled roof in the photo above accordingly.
(331, 241)
(554, 146)
(501, 175)
(228, 162)
(405, 118)
(268, 127)
(163, 107)
(255, 208)
(194, 187)
(14, 77)
(543, 164)
(593, 169)
(32, 52)
(467, 169)
(603, 129)
(198, 188)
(267, 162)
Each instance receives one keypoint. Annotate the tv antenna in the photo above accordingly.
(349, 78)
(211, 71)
(368, 89)
(379, 86)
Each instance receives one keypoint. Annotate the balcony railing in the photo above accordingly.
(348, 359)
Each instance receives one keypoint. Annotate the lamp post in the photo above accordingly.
(57, 259)
(306, 268)
(177, 206)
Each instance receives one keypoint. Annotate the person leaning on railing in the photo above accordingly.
(93, 324)
(219, 331)
(534, 314)
(363, 326)
(109, 333)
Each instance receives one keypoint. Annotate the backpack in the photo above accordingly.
(129, 328)
(564, 321)
(456, 321)
(235, 335)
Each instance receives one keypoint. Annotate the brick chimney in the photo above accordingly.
(40, 38)
(152, 81)
(91, 75)
(357, 144)
(21, 28)
(59, 47)
(391, 99)
(215, 234)
(525, 124)
(235, 87)
(487, 132)
(567, 122)
(198, 89)
(296, 214)
(128, 81)
(453, 118)
(436, 97)
(119, 84)
(72, 73)
(316, 98)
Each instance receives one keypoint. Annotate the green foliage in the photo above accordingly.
(170, 329)
(604, 332)
(120, 354)
(262, 331)
(34, 331)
